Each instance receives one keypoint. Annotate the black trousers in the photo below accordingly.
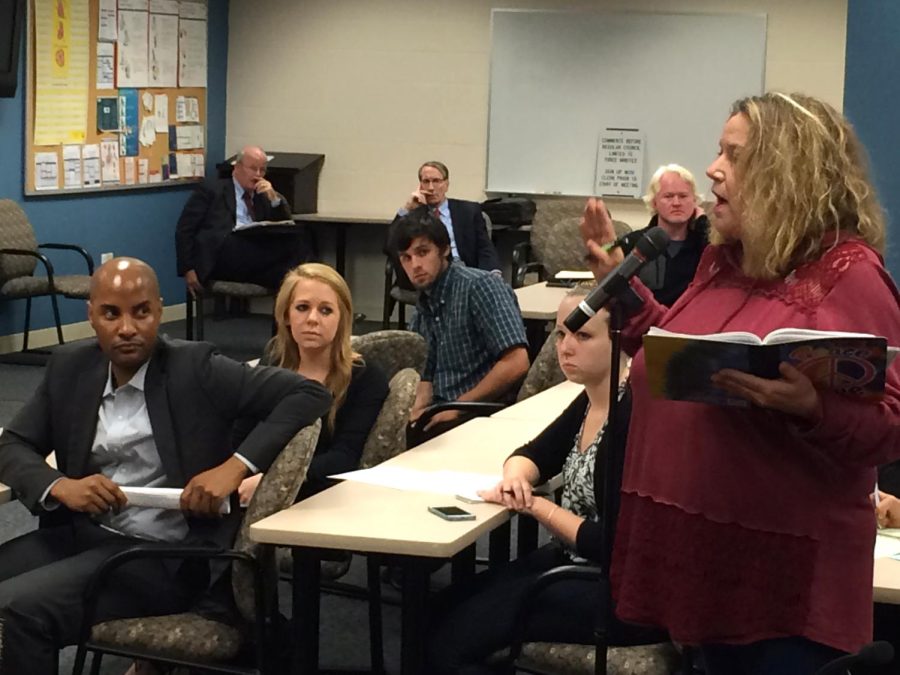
(42, 579)
(465, 632)
(261, 258)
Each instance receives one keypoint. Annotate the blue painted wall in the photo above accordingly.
(140, 223)
(871, 101)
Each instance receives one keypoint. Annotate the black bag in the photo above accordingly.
(512, 211)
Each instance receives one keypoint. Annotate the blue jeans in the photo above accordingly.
(778, 656)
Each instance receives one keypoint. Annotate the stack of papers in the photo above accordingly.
(463, 484)
(887, 543)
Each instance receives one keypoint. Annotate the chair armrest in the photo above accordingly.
(522, 265)
(45, 261)
(73, 247)
(528, 603)
(160, 551)
(476, 408)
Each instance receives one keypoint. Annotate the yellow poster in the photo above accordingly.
(61, 71)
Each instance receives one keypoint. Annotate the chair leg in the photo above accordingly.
(376, 630)
(27, 324)
(95, 663)
(55, 303)
(80, 657)
(401, 316)
(189, 316)
(200, 332)
(388, 305)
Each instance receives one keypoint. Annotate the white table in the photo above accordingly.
(539, 301)
(373, 519)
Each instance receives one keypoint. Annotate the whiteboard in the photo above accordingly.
(559, 77)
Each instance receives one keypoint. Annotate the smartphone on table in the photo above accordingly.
(451, 513)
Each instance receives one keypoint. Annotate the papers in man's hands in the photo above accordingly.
(240, 227)
(576, 275)
(460, 483)
(162, 498)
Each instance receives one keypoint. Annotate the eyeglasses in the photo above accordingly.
(428, 182)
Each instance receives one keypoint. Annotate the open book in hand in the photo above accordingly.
(679, 366)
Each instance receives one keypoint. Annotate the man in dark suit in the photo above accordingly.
(469, 240)
(129, 409)
(207, 243)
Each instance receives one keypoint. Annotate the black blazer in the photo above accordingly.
(193, 396)
(208, 217)
(472, 240)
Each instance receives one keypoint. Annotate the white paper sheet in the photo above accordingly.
(147, 134)
(193, 9)
(109, 161)
(143, 168)
(71, 166)
(106, 65)
(184, 165)
(189, 137)
(139, 5)
(440, 482)
(90, 165)
(163, 45)
(191, 53)
(107, 30)
(164, 6)
(161, 113)
(886, 545)
(161, 498)
(129, 170)
(46, 171)
(199, 165)
(131, 65)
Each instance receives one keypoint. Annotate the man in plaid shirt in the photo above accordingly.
(469, 318)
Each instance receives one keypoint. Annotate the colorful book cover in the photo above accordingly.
(679, 367)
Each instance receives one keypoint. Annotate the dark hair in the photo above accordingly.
(417, 223)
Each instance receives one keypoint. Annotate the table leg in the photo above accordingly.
(412, 630)
(462, 566)
(526, 535)
(305, 597)
(340, 245)
(536, 334)
(498, 545)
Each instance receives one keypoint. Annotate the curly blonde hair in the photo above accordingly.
(282, 350)
(802, 175)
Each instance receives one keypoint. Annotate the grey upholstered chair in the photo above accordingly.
(392, 350)
(19, 256)
(568, 659)
(555, 243)
(193, 640)
(544, 371)
(212, 288)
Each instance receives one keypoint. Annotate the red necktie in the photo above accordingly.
(436, 212)
(248, 200)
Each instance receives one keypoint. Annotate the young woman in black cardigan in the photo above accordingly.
(465, 633)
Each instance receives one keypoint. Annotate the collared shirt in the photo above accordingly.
(443, 211)
(124, 451)
(469, 318)
(242, 216)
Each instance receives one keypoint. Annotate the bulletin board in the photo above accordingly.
(115, 95)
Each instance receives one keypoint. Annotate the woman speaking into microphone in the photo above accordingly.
(748, 531)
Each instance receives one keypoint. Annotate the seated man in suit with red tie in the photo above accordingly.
(469, 240)
(210, 242)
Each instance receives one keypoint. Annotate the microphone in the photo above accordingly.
(648, 248)
(873, 654)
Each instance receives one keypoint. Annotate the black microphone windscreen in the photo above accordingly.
(876, 653)
(653, 243)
